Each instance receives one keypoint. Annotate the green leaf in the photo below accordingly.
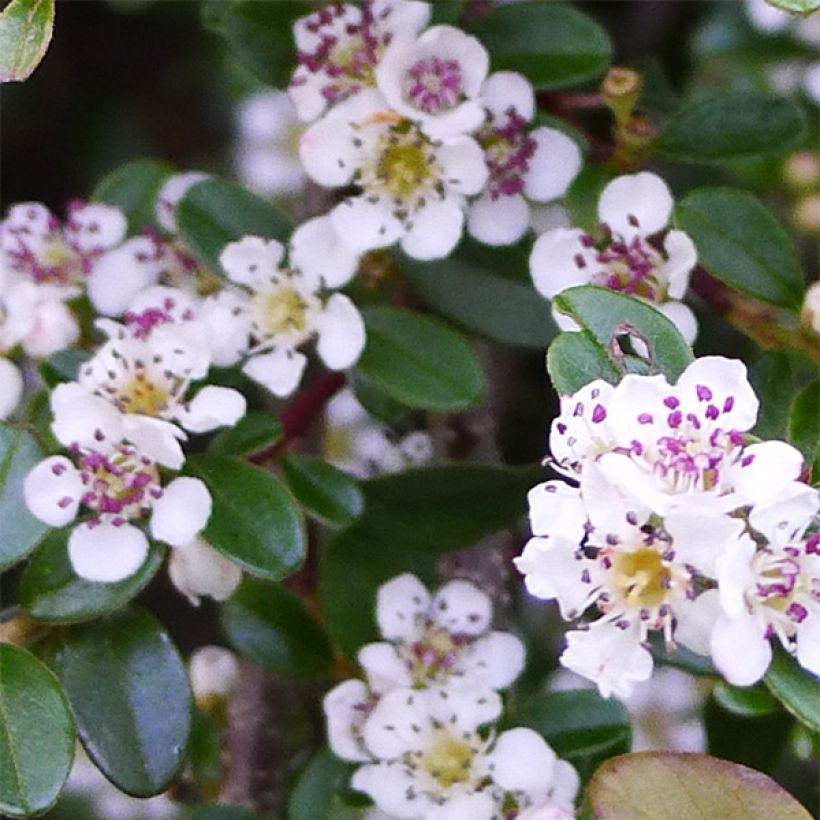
(269, 624)
(255, 521)
(37, 734)
(773, 379)
(327, 493)
(483, 300)
(603, 315)
(804, 422)
(129, 692)
(251, 434)
(580, 725)
(553, 45)
(795, 688)
(742, 244)
(25, 32)
(134, 189)
(733, 124)
(420, 361)
(63, 366)
(693, 786)
(51, 591)
(259, 33)
(796, 6)
(214, 213)
(584, 193)
(377, 403)
(746, 701)
(21, 531)
(315, 794)
(409, 520)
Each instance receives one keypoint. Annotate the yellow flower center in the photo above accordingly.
(404, 168)
(641, 577)
(449, 761)
(141, 395)
(280, 309)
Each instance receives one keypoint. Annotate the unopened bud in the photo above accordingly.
(214, 674)
(810, 312)
(620, 90)
(806, 214)
(801, 170)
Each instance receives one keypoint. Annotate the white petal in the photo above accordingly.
(435, 231)
(342, 707)
(556, 508)
(500, 221)
(366, 224)
(252, 261)
(494, 660)
(739, 650)
(11, 387)
(553, 167)
(96, 226)
(341, 333)
(463, 119)
(399, 603)
(214, 672)
(682, 257)
(463, 166)
(699, 535)
(642, 198)
(196, 569)
(696, 620)
(393, 789)
(172, 191)
(384, 668)
(280, 371)
(504, 89)
(226, 318)
(82, 418)
(735, 575)
(463, 709)
(213, 407)
(52, 491)
(559, 260)
(398, 724)
(764, 470)
(462, 608)
(682, 318)
(155, 438)
(321, 254)
(182, 511)
(106, 553)
(785, 517)
(808, 643)
(54, 328)
(521, 760)
(120, 274)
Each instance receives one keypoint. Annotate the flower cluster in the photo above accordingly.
(411, 117)
(675, 523)
(422, 727)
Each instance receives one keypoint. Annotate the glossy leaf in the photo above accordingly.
(51, 591)
(580, 725)
(795, 688)
(731, 125)
(214, 213)
(327, 493)
(134, 189)
(409, 520)
(269, 624)
(804, 422)
(37, 734)
(251, 434)
(483, 300)
(742, 244)
(129, 692)
(582, 196)
(797, 6)
(553, 45)
(420, 361)
(63, 366)
(21, 531)
(26, 27)
(254, 520)
(773, 377)
(315, 794)
(576, 359)
(669, 786)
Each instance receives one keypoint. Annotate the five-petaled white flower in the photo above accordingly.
(633, 210)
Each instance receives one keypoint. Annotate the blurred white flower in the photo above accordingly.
(11, 387)
(197, 570)
(214, 673)
(173, 190)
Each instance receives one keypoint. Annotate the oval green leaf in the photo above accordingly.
(269, 624)
(63, 366)
(37, 734)
(315, 796)
(213, 213)
(576, 359)
(420, 361)
(129, 692)
(255, 521)
(327, 494)
(795, 688)
(26, 27)
(21, 531)
(670, 786)
(580, 725)
(552, 45)
(804, 423)
(251, 434)
(731, 125)
(134, 189)
(51, 591)
(747, 701)
(742, 244)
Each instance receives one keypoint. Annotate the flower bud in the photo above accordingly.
(806, 214)
(620, 90)
(214, 674)
(810, 312)
(801, 171)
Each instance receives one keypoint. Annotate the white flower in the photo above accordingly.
(214, 673)
(287, 308)
(173, 190)
(117, 485)
(347, 706)
(439, 640)
(524, 166)
(266, 153)
(339, 47)
(631, 209)
(435, 80)
(770, 587)
(413, 189)
(196, 569)
(666, 446)
(11, 387)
